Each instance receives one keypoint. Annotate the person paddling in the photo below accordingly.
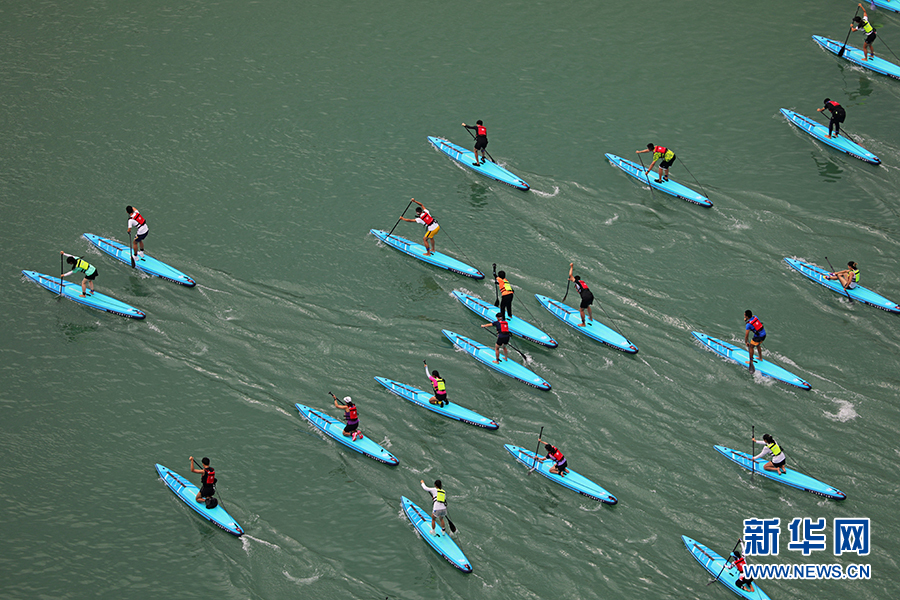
(481, 140)
(439, 503)
(838, 114)
(560, 466)
(136, 220)
(759, 335)
(743, 582)
(439, 386)
(506, 294)
(849, 277)
(587, 297)
(207, 479)
(79, 264)
(351, 415)
(871, 33)
(778, 460)
(659, 152)
(502, 337)
(423, 217)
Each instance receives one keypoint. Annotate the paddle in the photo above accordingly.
(395, 227)
(843, 287)
(752, 450)
(496, 287)
(568, 281)
(485, 150)
(726, 562)
(132, 251)
(844, 47)
(449, 522)
(537, 451)
(694, 178)
(843, 131)
(647, 175)
(61, 271)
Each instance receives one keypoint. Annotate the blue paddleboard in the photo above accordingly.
(335, 430)
(791, 477)
(856, 56)
(839, 142)
(486, 356)
(72, 291)
(467, 159)
(517, 326)
(451, 410)
(441, 541)
(592, 329)
(571, 480)
(742, 357)
(670, 187)
(147, 263)
(418, 251)
(725, 573)
(187, 491)
(859, 293)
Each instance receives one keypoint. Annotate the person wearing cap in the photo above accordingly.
(587, 297)
(743, 582)
(423, 217)
(351, 416)
(778, 460)
(502, 337)
(439, 503)
(838, 114)
(439, 386)
(659, 152)
(871, 33)
(207, 479)
(136, 220)
(849, 277)
(481, 140)
(561, 465)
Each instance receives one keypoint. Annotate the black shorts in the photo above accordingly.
(140, 237)
(207, 490)
(351, 428)
(665, 164)
(92, 276)
(502, 340)
(871, 37)
(480, 144)
(441, 397)
(758, 339)
(587, 300)
(779, 464)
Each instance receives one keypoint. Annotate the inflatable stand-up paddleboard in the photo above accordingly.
(441, 541)
(486, 356)
(451, 410)
(418, 251)
(670, 187)
(467, 159)
(335, 430)
(790, 478)
(856, 56)
(726, 575)
(187, 491)
(838, 142)
(859, 293)
(72, 291)
(742, 357)
(147, 263)
(517, 326)
(592, 329)
(571, 480)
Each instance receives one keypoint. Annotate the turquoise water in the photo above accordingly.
(262, 141)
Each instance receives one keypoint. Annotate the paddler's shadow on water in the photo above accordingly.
(478, 195)
(865, 89)
(72, 331)
(827, 169)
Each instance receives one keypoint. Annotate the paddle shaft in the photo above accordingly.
(700, 185)
(844, 47)
(647, 175)
(843, 287)
(133, 250)
(843, 131)
(449, 522)
(752, 450)
(397, 223)
(538, 450)
(496, 287)
(61, 271)
(485, 149)
(726, 562)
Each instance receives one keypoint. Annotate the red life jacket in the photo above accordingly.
(426, 216)
(482, 130)
(556, 454)
(756, 324)
(581, 285)
(660, 150)
(739, 563)
(504, 326)
(832, 105)
(209, 476)
(137, 217)
(352, 415)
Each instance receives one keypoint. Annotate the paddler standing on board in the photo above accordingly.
(506, 294)
(136, 220)
(659, 152)
(863, 23)
(838, 114)
(423, 217)
(481, 140)
(351, 416)
(79, 264)
(587, 297)
(759, 334)
(502, 337)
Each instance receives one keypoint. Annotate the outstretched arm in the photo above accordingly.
(571, 266)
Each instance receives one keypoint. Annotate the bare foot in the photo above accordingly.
(581, 325)
(496, 362)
